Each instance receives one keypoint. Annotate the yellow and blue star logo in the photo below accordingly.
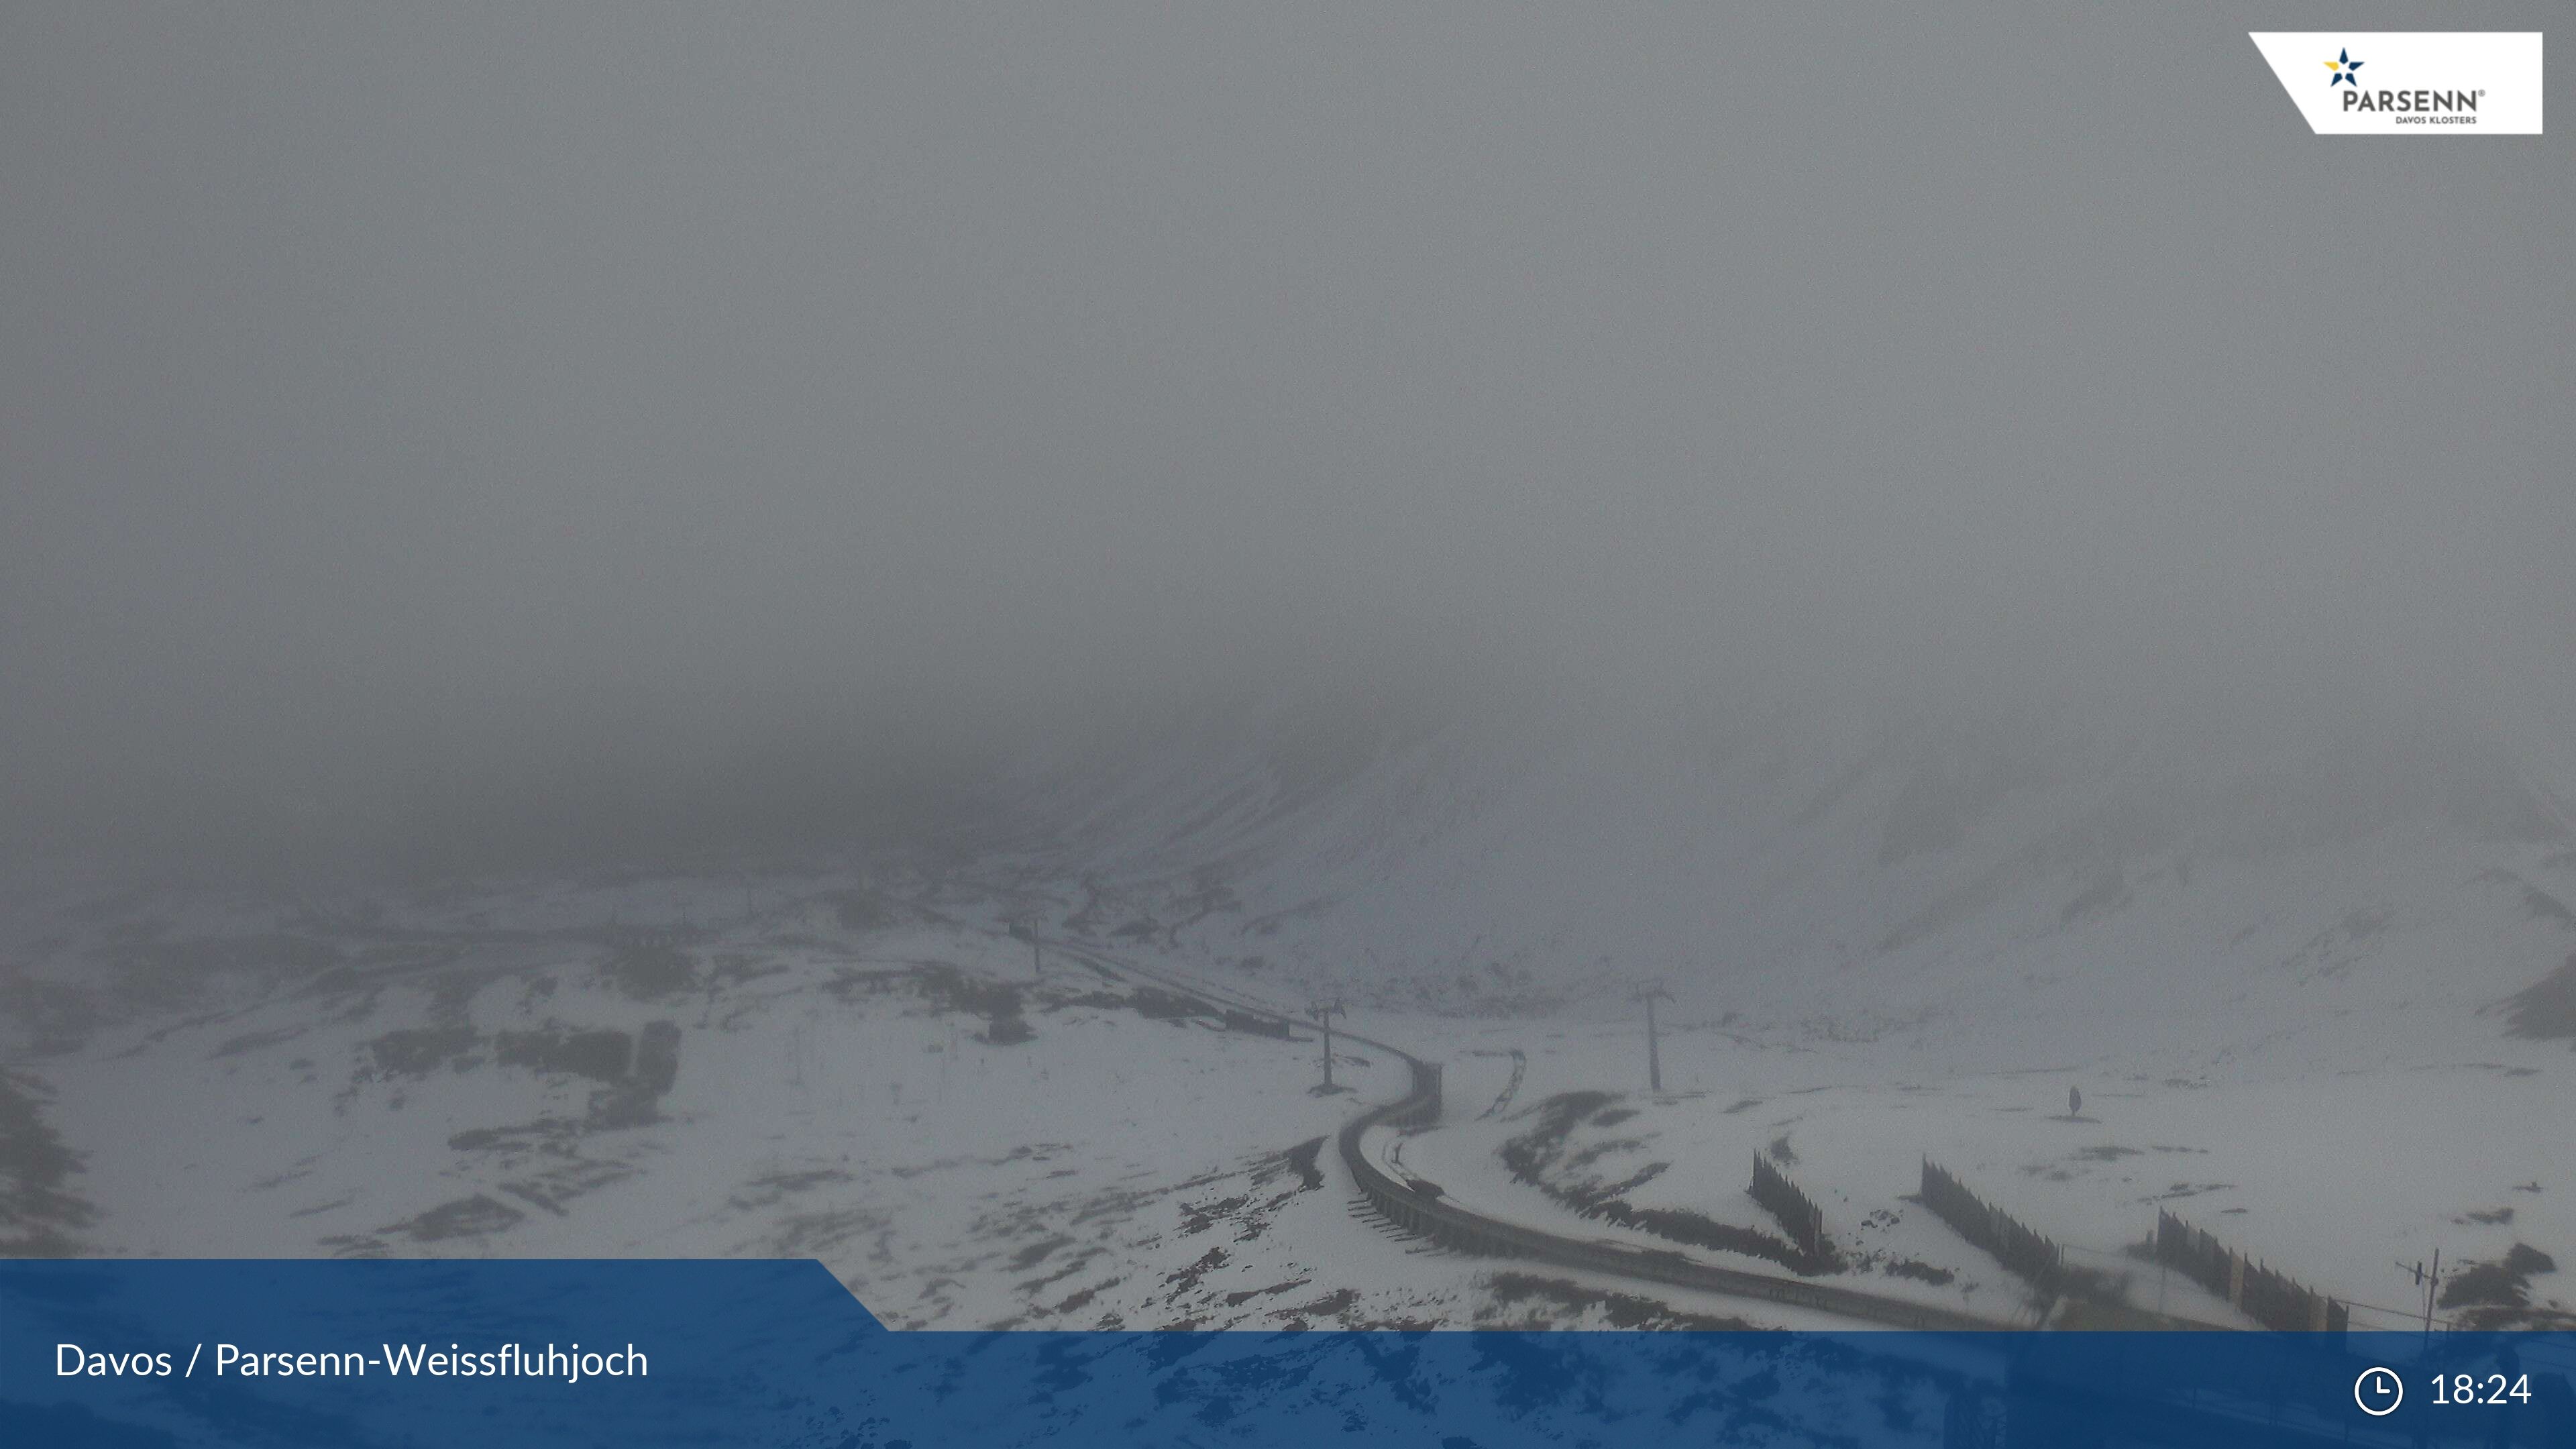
(2343, 66)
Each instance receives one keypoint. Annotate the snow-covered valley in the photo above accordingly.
(1036, 1079)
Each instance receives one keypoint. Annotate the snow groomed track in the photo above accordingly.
(1427, 1211)
(1424, 1209)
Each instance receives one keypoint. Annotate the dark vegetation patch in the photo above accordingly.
(649, 973)
(1186, 1280)
(1030, 1255)
(415, 1051)
(850, 983)
(1780, 1152)
(863, 910)
(1917, 1269)
(2492, 1217)
(1539, 1157)
(549, 1132)
(602, 1056)
(1238, 1299)
(948, 989)
(253, 1041)
(1073, 1263)
(734, 968)
(2487, 1288)
(1199, 1217)
(1598, 1150)
(559, 1182)
(2546, 1009)
(1332, 1305)
(771, 1188)
(1623, 1310)
(1159, 1005)
(466, 1217)
(2540, 904)
(37, 1215)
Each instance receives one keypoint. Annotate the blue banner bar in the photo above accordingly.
(511, 1353)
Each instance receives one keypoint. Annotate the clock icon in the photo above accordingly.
(2378, 1391)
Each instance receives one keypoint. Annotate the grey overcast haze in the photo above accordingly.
(607, 426)
(831, 632)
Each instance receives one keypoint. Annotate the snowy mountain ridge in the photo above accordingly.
(1963, 883)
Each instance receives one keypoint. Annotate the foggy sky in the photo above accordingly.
(408, 406)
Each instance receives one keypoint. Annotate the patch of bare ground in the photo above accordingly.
(38, 1213)
(1532, 1301)
(2546, 1009)
(2497, 1294)
(1540, 1158)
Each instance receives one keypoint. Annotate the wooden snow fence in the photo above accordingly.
(2272, 1299)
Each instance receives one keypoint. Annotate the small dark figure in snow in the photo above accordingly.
(2075, 1101)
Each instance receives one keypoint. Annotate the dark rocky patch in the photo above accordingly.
(1238, 1299)
(636, 1100)
(37, 1214)
(2505, 1283)
(602, 1056)
(1331, 1305)
(862, 910)
(1538, 1157)
(649, 973)
(466, 1217)
(416, 1051)
(1186, 1280)
(1624, 1310)
(253, 1041)
(2546, 1009)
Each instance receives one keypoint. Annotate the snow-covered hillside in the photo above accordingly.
(2314, 989)
(2016, 890)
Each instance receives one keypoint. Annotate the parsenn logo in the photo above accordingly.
(2449, 83)
(2427, 102)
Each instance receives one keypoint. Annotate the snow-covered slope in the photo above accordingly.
(2018, 889)
(2314, 985)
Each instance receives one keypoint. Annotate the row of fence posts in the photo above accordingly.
(1798, 1213)
(2272, 1299)
(2013, 1243)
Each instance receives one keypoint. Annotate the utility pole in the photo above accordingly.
(2432, 1284)
(1323, 1014)
(1654, 1059)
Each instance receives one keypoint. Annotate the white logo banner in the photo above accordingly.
(2399, 83)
